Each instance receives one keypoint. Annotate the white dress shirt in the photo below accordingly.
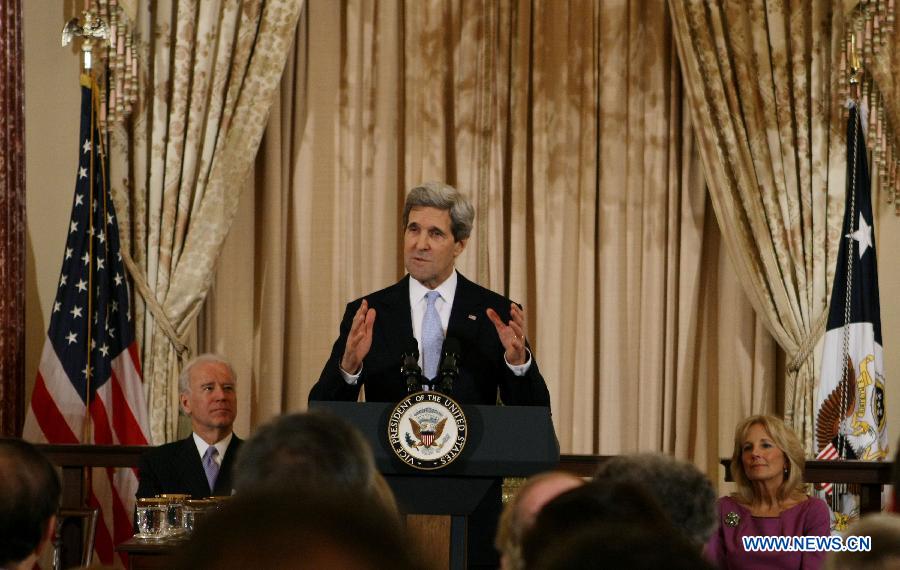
(221, 445)
(444, 305)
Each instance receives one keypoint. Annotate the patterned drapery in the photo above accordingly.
(210, 70)
(872, 29)
(766, 102)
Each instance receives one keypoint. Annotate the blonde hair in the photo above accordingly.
(789, 444)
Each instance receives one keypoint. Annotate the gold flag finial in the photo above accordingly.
(93, 29)
(853, 59)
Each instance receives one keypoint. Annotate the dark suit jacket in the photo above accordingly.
(177, 468)
(482, 369)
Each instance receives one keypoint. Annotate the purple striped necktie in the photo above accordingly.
(210, 466)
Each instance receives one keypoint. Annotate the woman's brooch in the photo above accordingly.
(732, 519)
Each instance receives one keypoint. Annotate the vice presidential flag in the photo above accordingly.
(88, 388)
(850, 399)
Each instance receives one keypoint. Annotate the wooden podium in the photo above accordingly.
(454, 510)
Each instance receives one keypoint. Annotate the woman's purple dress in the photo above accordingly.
(726, 549)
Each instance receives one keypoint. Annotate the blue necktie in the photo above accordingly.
(211, 467)
(432, 336)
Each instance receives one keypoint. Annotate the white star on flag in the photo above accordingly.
(81, 285)
(101, 236)
(100, 263)
(863, 235)
(86, 147)
(72, 337)
(56, 306)
(62, 280)
(82, 172)
(118, 279)
(76, 312)
(104, 350)
(79, 199)
(73, 228)
(86, 258)
(68, 252)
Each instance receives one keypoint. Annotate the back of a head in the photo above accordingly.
(297, 530)
(620, 545)
(884, 531)
(519, 513)
(29, 496)
(588, 505)
(683, 492)
(312, 450)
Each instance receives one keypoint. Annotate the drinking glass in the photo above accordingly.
(194, 511)
(174, 512)
(152, 518)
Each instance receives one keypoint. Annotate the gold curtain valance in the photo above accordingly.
(106, 32)
(871, 36)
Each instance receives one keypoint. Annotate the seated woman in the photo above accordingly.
(771, 500)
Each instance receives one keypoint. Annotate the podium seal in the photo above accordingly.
(427, 430)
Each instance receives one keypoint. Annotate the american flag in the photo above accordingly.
(88, 387)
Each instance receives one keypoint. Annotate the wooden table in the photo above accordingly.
(871, 476)
(150, 554)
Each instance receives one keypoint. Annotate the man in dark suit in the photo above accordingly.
(434, 302)
(201, 464)
(430, 304)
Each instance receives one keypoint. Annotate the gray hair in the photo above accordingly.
(443, 197)
(685, 494)
(311, 450)
(184, 379)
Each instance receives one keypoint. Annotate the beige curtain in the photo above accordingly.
(320, 223)
(566, 126)
(761, 81)
(211, 67)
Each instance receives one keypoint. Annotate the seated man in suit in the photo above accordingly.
(430, 304)
(199, 465)
(29, 499)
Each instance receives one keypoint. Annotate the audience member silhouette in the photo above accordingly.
(519, 513)
(290, 529)
(29, 499)
(683, 492)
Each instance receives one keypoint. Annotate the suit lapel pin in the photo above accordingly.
(472, 317)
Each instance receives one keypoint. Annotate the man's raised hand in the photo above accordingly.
(359, 341)
(512, 335)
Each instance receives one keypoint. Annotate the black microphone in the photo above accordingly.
(409, 366)
(449, 369)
